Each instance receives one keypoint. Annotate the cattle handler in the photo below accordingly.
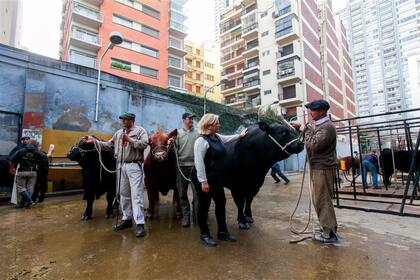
(320, 142)
(185, 152)
(129, 144)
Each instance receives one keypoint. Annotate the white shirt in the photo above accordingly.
(321, 121)
(200, 149)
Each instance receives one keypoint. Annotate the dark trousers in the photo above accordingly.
(277, 171)
(216, 193)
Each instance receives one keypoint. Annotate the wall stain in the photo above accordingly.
(72, 118)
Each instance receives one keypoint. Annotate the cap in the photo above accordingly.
(25, 137)
(187, 115)
(318, 105)
(127, 116)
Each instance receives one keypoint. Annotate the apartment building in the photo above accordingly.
(11, 12)
(270, 52)
(384, 44)
(153, 48)
(203, 71)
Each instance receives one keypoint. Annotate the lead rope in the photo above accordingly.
(179, 168)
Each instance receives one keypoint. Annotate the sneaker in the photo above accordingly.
(225, 236)
(123, 225)
(332, 239)
(140, 231)
(207, 240)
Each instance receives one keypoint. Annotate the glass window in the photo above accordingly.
(149, 51)
(284, 26)
(175, 81)
(126, 2)
(122, 21)
(265, 33)
(266, 72)
(150, 31)
(148, 72)
(150, 11)
(282, 6)
(267, 92)
(287, 50)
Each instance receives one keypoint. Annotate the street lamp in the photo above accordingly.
(223, 80)
(115, 38)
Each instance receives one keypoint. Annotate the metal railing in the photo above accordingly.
(86, 37)
(176, 44)
(87, 11)
(251, 64)
(249, 28)
(175, 63)
(178, 26)
(252, 83)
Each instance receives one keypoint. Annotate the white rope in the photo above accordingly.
(283, 148)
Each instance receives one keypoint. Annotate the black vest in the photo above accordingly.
(214, 158)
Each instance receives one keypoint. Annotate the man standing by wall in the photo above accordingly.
(129, 144)
(320, 142)
(185, 150)
(24, 140)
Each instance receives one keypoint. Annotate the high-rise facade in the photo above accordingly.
(384, 44)
(203, 71)
(219, 6)
(11, 22)
(153, 48)
(271, 52)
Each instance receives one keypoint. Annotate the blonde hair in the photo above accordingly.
(206, 121)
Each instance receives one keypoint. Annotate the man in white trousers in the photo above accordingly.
(129, 144)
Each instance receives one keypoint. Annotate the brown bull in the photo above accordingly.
(160, 171)
(344, 164)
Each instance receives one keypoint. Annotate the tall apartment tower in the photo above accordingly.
(203, 72)
(271, 53)
(336, 66)
(11, 22)
(153, 48)
(219, 6)
(384, 44)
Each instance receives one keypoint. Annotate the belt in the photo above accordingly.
(133, 161)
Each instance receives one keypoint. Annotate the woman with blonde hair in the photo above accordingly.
(209, 154)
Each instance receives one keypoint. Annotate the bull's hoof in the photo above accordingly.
(86, 217)
(249, 220)
(244, 226)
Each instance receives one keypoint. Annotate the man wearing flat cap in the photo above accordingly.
(320, 141)
(185, 140)
(129, 144)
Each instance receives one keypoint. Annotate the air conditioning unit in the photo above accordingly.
(282, 72)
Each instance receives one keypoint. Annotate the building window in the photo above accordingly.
(189, 61)
(267, 92)
(198, 89)
(150, 11)
(264, 53)
(263, 14)
(189, 49)
(209, 65)
(265, 33)
(83, 59)
(284, 26)
(189, 74)
(149, 51)
(283, 7)
(197, 76)
(121, 65)
(129, 3)
(148, 72)
(209, 77)
(287, 50)
(174, 81)
(189, 87)
(198, 52)
(122, 21)
(266, 72)
(198, 64)
(150, 31)
(140, 48)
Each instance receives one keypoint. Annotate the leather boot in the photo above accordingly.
(140, 231)
(225, 236)
(123, 225)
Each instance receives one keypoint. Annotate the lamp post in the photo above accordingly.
(115, 38)
(222, 81)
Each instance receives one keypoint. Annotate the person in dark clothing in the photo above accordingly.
(24, 140)
(209, 154)
(370, 163)
(25, 163)
(41, 184)
(276, 171)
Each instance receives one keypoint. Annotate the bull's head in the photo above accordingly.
(159, 144)
(285, 138)
(78, 151)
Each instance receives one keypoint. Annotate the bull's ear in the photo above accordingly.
(264, 127)
(173, 133)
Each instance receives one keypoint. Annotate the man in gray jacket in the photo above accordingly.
(185, 150)
(320, 142)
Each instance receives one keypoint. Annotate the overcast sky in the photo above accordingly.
(42, 18)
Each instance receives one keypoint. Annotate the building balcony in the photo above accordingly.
(250, 32)
(231, 27)
(96, 3)
(291, 97)
(232, 58)
(233, 74)
(251, 65)
(85, 40)
(230, 13)
(86, 16)
(176, 67)
(289, 34)
(227, 90)
(289, 72)
(231, 43)
(177, 7)
(249, 9)
(176, 47)
(177, 29)
(251, 50)
(251, 86)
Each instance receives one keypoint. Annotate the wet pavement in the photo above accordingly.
(49, 242)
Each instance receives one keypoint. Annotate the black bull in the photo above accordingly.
(402, 161)
(96, 180)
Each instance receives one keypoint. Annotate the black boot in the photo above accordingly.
(225, 236)
(27, 197)
(207, 240)
(140, 231)
(123, 225)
